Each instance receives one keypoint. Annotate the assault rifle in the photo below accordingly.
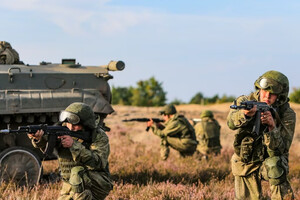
(51, 131)
(156, 120)
(261, 107)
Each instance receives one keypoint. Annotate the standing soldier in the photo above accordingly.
(263, 155)
(83, 164)
(208, 135)
(176, 132)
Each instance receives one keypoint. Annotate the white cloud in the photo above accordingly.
(90, 17)
(119, 22)
(69, 15)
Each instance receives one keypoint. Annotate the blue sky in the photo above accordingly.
(212, 47)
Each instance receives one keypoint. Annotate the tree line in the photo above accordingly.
(151, 93)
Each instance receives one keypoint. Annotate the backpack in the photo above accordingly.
(211, 129)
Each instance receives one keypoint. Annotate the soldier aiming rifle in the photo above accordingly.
(175, 132)
(266, 125)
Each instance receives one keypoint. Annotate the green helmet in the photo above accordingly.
(168, 110)
(275, 82)
(207, 113)
(84, 112)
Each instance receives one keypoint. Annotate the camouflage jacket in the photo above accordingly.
(268, 143)
(92, 156)
(177, 126)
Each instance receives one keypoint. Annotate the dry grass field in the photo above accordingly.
(139, 173)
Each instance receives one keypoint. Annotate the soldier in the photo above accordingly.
(83, 165)
(263, 156)
(8, 55)
(208, 135)
(176, 132)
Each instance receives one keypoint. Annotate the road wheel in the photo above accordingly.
(20, 165)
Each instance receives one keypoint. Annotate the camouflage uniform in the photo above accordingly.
(177, 133)
(208, 134)
(84, 166)
(8, 55)
(264, 156)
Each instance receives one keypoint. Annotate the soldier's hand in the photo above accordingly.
(250, 113)
(149, 123)
(37, 136)
(267, 119)
(66, 141)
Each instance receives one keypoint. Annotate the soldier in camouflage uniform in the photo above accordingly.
(176, 132)
(208, 135)
(263, 156)
(8, 55)
(83, 165)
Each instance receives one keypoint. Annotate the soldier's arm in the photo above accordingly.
(171, 129)
(280, 138)
(237, 118)
(94, 158)
(41, 144)
(199, 131)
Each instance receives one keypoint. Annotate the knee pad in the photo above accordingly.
(76, 180)
(275, 171)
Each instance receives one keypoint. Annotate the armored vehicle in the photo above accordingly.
(35, 94)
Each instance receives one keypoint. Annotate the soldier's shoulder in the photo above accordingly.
(242, 98)
(100, 134)
(289, 111)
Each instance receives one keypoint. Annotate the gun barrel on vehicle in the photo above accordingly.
(115, 65)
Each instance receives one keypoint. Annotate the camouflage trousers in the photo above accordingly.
(249, 187)
(184, 148)
(67, 194)
(209, 150)
(85, 185)
(248, 179)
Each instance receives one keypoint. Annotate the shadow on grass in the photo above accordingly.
(146, 177)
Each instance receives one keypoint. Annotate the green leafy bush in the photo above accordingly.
(295, 95)
(147, 93)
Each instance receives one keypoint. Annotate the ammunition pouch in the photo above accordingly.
(79, 179)
(273, 171)
(246, 149)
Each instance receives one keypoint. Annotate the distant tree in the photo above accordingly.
(295, 95)
(148, 93)
(177, 102)
(197, 99)
(226, 98)
(200, 99)
(212, 100)
(121, 95)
